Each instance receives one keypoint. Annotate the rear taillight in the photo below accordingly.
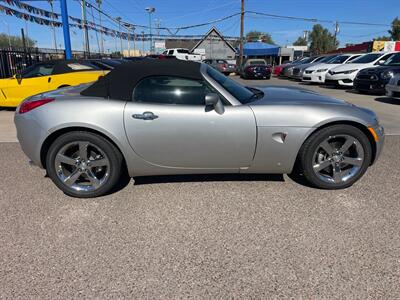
(29, 105)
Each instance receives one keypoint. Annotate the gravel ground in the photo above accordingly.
(200, 237)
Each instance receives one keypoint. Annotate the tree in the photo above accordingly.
(255, 35)
(382, 38)
(395, 31)
(15, 41)
(322, 40)
(301, 41)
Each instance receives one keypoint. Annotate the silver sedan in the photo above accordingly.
(174, 117)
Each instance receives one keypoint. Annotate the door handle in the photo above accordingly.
(147, 115)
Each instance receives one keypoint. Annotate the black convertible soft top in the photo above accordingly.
(120, 82)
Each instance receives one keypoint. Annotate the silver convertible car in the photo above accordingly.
(162, 117)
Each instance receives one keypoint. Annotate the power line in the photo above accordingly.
(314, 20)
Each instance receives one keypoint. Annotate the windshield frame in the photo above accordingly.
(221, 89)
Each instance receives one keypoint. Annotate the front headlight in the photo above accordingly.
(350, 71)
(387, 75)
(322, 70)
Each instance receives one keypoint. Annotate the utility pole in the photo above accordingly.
(85, 29)
(99, 2)
(241, 34)
(158, 25)
(336, 32)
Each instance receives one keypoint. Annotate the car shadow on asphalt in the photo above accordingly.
(388, 100)
(207, 178)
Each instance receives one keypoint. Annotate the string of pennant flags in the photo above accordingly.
(31, 11)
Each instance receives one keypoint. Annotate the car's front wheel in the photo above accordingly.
(83, 164)
(335, 157)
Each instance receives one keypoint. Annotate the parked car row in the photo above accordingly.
(366, 73)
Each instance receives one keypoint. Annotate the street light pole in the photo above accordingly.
(85, 29)
(54, 29)
(119, 32)
(150, 10)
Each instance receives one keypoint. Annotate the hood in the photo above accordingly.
(322, 66)
(380, 69)
(347, 67)
(293, 95)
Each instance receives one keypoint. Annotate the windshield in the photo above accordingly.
(367, 58)
(393, 60)
(306, 61)
(237, 90)
(338, 59)
(325, 59)
(257, 62)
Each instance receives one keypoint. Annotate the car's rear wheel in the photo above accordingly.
(335, 157)
(84, 164)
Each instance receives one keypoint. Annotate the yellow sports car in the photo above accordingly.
(47, 76)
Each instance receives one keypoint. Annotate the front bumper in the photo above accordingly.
(314, 77)
(370, 86)
(393, 90)
(263, 74)
(339, 79)
(380, 132)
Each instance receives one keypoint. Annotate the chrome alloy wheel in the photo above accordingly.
(338, 158)
(82, 166)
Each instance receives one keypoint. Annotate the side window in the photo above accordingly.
(39, 70)
(170, 52)
(170, 90)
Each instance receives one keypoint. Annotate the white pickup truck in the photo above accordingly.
(183, 54)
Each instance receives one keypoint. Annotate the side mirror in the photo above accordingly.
(213, 101)
(381, 62)
(18, 77)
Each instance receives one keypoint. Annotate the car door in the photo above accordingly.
(33, 81)
(168, 124)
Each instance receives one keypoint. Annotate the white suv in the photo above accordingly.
(318, 72)
(345, 74)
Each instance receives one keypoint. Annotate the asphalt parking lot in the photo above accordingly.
(203, 236)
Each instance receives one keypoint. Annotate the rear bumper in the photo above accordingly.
(30, 136)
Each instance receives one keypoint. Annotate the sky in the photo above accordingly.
(174, 13)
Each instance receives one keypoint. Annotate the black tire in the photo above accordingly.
(116, 166)
(304, 164)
